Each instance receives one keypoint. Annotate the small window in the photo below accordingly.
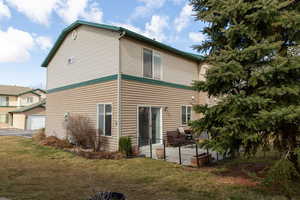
(29, 99)
(151, 64)
(104, 119)
(186, 114)
(3, 101)
(4, 118)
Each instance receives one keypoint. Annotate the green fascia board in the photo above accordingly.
(124, 77)
(25, 109)
(38, 89)
(155, 82)
(127, 32)
(30, 91)
(8, 106)
(11, 95)
(85, 83)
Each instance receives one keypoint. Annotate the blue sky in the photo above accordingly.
(29, 28)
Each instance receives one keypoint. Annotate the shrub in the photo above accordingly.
(56, 142)
(39, 135)
(283, 175)
(81, 132)
(125, 145)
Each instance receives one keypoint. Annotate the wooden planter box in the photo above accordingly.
(203, 160)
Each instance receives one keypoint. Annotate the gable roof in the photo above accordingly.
(126, 32)
(12, 90)
(32, 91)
(27, 108)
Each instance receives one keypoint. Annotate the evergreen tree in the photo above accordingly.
(254, 75)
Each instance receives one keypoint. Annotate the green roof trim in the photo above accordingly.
(27, 108)
(30, 91)
(155, 82)
(127, 32)
(8, 106)
(85, 83)
(124, 77)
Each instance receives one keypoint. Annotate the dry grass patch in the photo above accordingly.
(32, 171)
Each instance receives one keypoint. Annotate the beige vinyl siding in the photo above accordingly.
(19, 120)
(95, 53)
(175, 69)
(13, 101)
(137, 93)
(83, 101)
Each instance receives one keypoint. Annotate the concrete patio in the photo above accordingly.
(172, 153)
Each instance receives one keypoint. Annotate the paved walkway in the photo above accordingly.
(16, 132)
(172, 153)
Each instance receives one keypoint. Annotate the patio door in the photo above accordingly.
(149, 125)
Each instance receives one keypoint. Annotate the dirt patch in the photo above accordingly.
(55, 142)
(245, 170)
(247, 174)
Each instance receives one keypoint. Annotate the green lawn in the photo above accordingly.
(30, 171)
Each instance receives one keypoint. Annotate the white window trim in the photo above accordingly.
(186, 106)
(104, 118)
(161, 64)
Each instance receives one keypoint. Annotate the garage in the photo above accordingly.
(31, 117)
(35, 122)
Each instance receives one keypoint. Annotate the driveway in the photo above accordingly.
(16, 132)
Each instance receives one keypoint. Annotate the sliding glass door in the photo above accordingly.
(149, 121)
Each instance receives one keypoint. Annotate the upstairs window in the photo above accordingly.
(186, 114)
(29, 99)
(152, 64)
(3, 101)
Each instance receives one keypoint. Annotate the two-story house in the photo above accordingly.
(22, 107)
(126, 83)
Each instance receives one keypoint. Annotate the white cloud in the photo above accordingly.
(196, 37)
(177, 2)
(93, 14)
(155, 28)
(129, 27)
(36, 10)
(4, 10)
(148, 7)
(43, 42)
(40, 11)
(184, 18)
(71, 10)
(15, 45)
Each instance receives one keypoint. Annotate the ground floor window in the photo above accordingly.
(104, 120)
(186, 113)
(3, 118)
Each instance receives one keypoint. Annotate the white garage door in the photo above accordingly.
(35, 122)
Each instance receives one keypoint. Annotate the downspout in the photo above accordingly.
(119, 96)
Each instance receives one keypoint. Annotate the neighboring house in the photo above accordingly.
(22, 107)
(127, 84)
